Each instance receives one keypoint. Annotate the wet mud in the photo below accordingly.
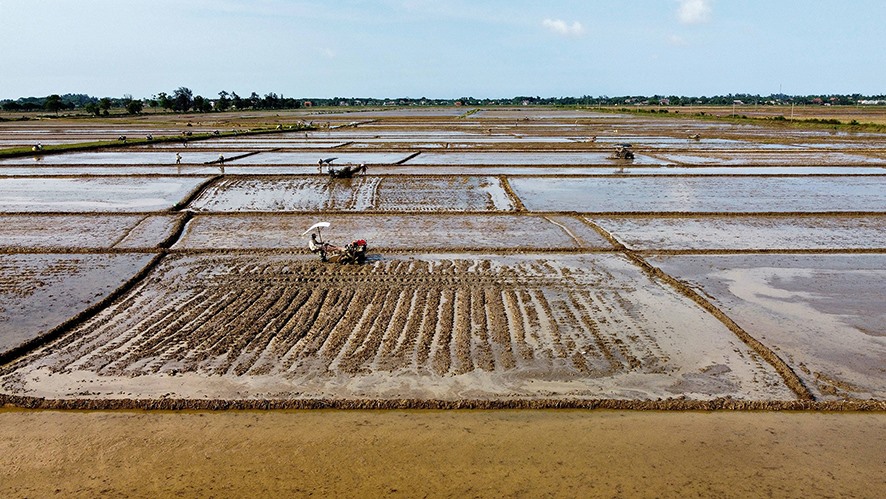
(514, 264)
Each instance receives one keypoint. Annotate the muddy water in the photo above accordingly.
(744, 233)
(738, 195)
(120, 158)
(433, 453)
(38, 292)
(108, 194)
(392, 232)
(591, 157)
(823, 313)
(605, 168)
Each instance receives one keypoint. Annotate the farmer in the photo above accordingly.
(178, 158)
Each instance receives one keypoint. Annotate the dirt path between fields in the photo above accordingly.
(441, 453)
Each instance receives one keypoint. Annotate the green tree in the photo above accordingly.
(182, 99)
(105, 104)
(92, 108)
(164, 101)
(53, 103)
(223, 101)
(134, 106)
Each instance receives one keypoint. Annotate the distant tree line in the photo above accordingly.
(183, 100)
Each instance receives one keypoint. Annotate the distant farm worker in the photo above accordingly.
(178, 158)
(221, 158)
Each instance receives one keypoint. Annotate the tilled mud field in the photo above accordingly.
(414, 233)
(513, 263)
(317, 193)
(446, 328)
(71, 233)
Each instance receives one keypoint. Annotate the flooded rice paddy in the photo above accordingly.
(512, 261)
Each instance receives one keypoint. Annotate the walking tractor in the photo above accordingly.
(355, 252)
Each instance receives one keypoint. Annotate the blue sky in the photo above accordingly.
(445, 49)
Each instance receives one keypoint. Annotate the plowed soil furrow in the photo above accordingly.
(462, 335)
(167, 320)
(183, 314)
(288, 330)
(442, 348)
(481, 347)
(201, 317)
(499, 327)
(245, 328)
(593, 345)
(358, 329)
(175, 346)
(213, 336)
(378, 318)
(396, 332)
(351, 312)
(408, 347)
(427, 331)
(217, 339)
(318, 327)
(516, 320)
(534, 330)
(153, 341)
(624, 351)
(551, 325)
(102, 329)
(599, 343)
(256, 346)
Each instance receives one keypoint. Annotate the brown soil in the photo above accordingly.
(277, 326)
(433, 453)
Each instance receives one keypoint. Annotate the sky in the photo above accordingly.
(442, 49)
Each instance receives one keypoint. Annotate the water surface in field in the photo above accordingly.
(114, 194)
(700, 194)
(130, 157)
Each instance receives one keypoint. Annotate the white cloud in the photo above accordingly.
(694, 11)
(561, 28)
(677, 41)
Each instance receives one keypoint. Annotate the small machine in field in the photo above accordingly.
(623, 151)
(354, 252)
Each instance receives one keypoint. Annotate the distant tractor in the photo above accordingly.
(623, 151)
